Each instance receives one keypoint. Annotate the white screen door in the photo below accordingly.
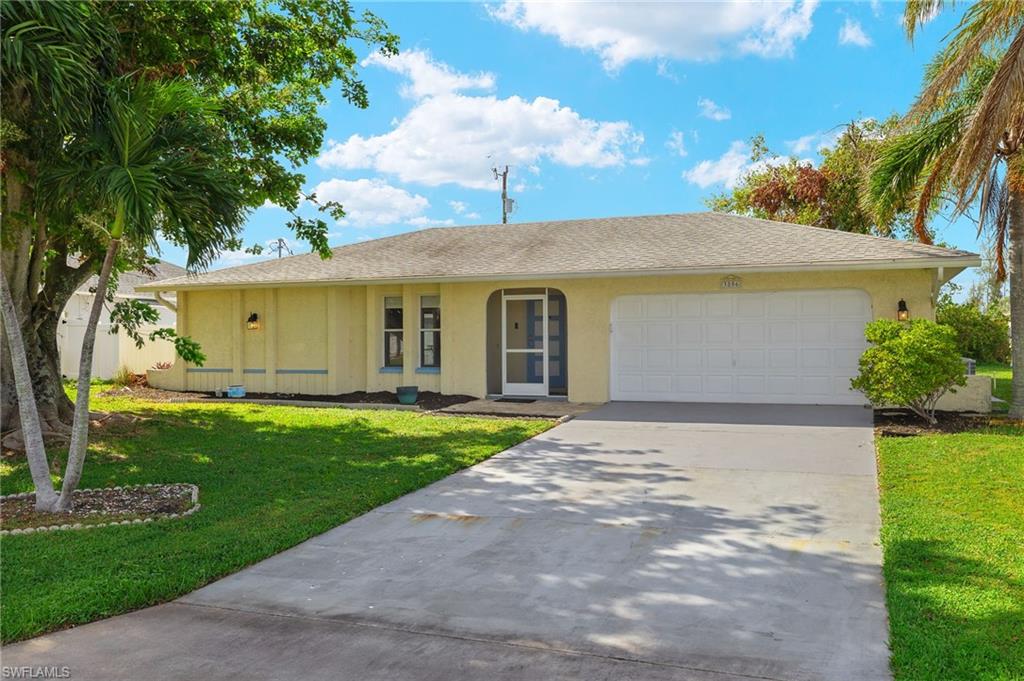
(524, 344)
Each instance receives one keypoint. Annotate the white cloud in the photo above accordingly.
(449, 137)
(816, 141)
(732, 166)
(428, 77)
(726, 169)
(459, 207)
(629, 31)
(852, 33)
(676, 143)
(715, 112)
(372, 202)
(423, 221)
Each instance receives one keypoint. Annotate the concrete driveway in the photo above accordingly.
(641, 541)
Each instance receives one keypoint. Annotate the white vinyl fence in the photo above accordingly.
(112, 350)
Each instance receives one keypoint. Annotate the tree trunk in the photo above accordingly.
(39, 324)
(1016, 274)
(35, 450)
(80, 425)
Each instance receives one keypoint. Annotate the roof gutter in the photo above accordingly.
(945, 262)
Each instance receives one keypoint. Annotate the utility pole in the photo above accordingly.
(280, 247)
(506, 203)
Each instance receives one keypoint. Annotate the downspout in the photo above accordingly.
(164, 301)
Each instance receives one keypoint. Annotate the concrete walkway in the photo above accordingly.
(639, 541)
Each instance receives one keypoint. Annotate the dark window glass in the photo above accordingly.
(430, 349)
(393, 318)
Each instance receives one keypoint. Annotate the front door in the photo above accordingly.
(524, 344)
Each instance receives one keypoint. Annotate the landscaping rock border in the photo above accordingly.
(193, 489)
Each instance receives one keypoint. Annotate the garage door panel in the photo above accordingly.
(750, 306)
(631, 334)
(749, 359)
(750, 385)
(660, 307)
(793, 346)
(815, 358)
(718, 385)
(630, 359)
(688, 333)
(782, 359)
(658, 384)
(718, 306)
(688, 307)
(689, 359)
(782, 305)
(688, 385)
(780, 333)
(659, 360)
(659, 334)
(750, 333)
(718, 332)
(848, 332)
(816, 385)
(719, 359)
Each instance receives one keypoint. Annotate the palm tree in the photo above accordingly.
(146, 168)
(963, 141)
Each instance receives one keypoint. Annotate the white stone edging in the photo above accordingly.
(193, 489)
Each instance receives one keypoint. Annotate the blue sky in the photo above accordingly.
(600, 109)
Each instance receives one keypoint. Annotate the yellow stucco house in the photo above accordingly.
(700, 307)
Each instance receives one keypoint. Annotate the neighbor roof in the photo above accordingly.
(655, 244)
(129, 282)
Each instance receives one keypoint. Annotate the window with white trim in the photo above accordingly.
(394, 341)
(430, 332)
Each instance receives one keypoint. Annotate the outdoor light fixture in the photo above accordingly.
(253, 322)
(902, 313)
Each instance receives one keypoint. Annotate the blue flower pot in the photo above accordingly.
(407, 394)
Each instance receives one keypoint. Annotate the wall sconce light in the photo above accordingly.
(253, 322)
(902, 313)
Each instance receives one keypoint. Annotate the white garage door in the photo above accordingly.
(798, 347)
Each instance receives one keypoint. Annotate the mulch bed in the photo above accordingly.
(904, 423)
(97, 506)
(427, 400)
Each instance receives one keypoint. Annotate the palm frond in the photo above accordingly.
(984, 26)
(998, 116)
(916, 13)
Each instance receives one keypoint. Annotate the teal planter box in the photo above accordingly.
(407, 394)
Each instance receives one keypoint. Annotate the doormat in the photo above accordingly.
(516, 400)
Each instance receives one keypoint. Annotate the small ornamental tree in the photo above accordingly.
(909, 365)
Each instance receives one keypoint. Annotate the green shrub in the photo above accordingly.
(909, 365)
(983, 335)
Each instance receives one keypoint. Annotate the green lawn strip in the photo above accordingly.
(952, 533)
(1001, 388)
(269, 478)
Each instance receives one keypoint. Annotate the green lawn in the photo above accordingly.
(953, 536)
(1001, 384)
(269, 477)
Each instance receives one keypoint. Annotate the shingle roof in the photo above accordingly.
(128, 282)
(698, 242)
